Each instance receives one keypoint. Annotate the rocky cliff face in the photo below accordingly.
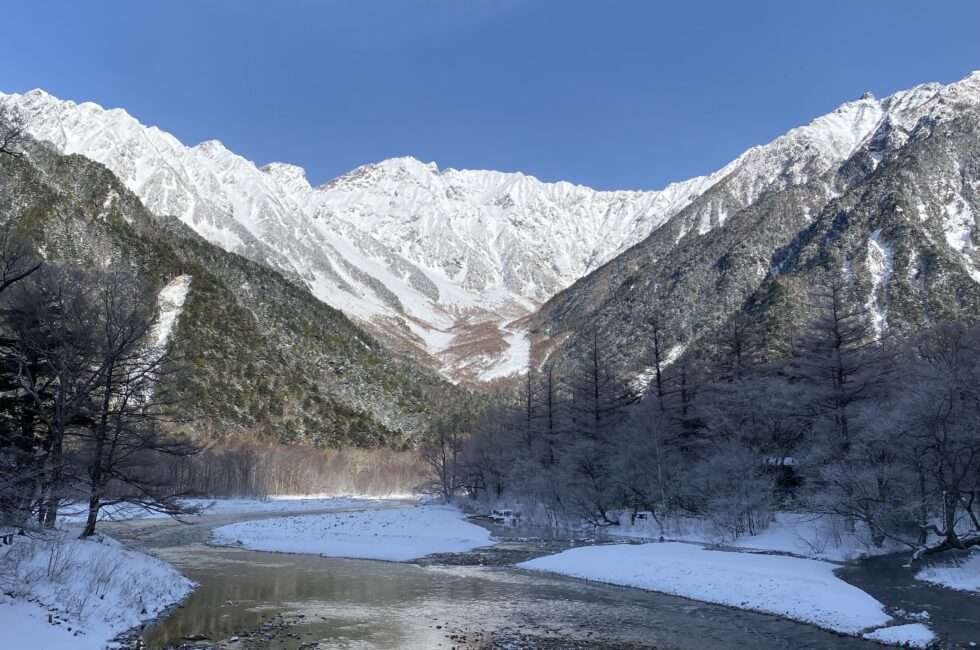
(266, 357)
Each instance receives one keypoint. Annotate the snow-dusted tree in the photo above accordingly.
(19, 473)
(124, 439)
(52, 354)
(599, 394)
(17, 260)
(836, 361)
(12, 131)
(648, 462)
(442, 454)
(945, 432)
(730, 487)
(599, 398)
(873, 483)
(737, 347)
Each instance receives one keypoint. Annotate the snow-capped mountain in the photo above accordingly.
(886, 190)
(442, 259)
(449, 261)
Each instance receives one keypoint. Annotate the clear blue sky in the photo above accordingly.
(605, 93)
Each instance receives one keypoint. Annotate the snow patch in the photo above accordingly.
(170, 303)
(808, 535)
(794, 588)
(959, 224)
(398, 534)
(648, 374)
(515, 360)
(879, 264)
(912, 635)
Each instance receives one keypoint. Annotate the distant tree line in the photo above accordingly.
(250, 468)
(84, 397)
(879, 431)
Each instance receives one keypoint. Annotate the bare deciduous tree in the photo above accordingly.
(12, 131)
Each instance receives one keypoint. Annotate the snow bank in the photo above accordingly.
(806, 535)
(963, 575)
(283, 503)
(397, 534)
(799, 589)
(65, 593)
(913, 635)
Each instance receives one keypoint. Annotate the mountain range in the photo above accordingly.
(479, 274)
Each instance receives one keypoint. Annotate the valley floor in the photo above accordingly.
(59, 592)
(782, 571)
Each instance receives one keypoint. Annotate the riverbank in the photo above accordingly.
(63, 593)
(58, 592)
(798, 589)
(468, 598)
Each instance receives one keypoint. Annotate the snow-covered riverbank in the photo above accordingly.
(963, 575)
(398, 534)
(63, 593)
(795, 588)
(58, 592)
(284, 504)
(806, 535)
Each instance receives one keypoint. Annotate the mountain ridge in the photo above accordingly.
(264, 359)
(446, 264)
(899, 214)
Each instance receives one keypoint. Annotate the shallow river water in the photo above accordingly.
(270, 601)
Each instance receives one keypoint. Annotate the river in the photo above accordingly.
(267, 601)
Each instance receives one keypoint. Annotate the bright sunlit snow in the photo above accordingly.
(90, 590)
(170, 303)
(880, 266)
(397, 534)
(911, 635)
(795, 588)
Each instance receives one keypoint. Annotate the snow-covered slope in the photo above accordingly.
(888, 187)
(442, 260)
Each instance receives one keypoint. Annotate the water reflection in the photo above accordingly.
(352, 603)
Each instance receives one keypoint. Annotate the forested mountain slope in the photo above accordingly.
(897, 213)
(267, 359)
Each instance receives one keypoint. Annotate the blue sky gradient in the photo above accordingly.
(616, 95)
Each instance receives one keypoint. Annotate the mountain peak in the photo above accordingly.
(424, 254)
(38, 92)
(290, 176)
(408, 163)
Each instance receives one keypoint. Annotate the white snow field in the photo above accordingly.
(963, 576)
(794, 588)
(62, 593)
(282, 503)
(397, 534)
(911, 635)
